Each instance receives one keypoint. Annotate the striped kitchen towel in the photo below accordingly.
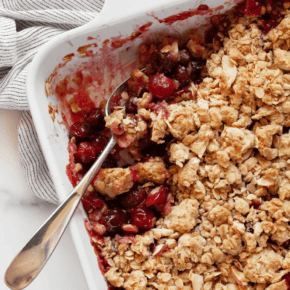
(25, 25)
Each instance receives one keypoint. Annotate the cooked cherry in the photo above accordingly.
(195, 68)
(91, 202)
(79, 130)
(113, 219)
(109, 162)
(161, 86)
(203, 7)
(184, 57)
(157, 195)
(99, 142)
(131, 106)
(181, 74)
(287, 278)
(253, 8)
(143, 218)
(133, 198)
(86, 153)
(96, 118)
(256, 204)
(117, 101)
(286, 245)
(165, 62)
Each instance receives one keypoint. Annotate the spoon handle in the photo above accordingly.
(34, 255)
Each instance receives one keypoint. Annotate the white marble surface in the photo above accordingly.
(21, 214)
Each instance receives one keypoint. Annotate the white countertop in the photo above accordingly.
(21, 214)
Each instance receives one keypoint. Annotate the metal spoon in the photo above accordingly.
(34, 255)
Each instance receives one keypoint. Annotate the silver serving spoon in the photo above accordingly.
(34, 255)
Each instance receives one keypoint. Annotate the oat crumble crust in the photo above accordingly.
(213, 233)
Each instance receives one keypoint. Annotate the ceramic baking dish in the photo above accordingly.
(118, 20)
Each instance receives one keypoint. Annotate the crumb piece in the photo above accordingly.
(219, 215)
(205, 134)
(282, 285)
(183, 216)
(136, 280)
(236, 141)
(241, 206)
(229, 115)
(179, 153)
(282, 59)
(114, 181)
(264, 139)
(187, 175)
(196, 280)
(263, 267)
(152, 170)
(114, 277)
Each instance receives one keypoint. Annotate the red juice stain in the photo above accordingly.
(71, 173)
(68, 57)
(85, 50)
(106, 42)
(201, 10)
(119, 41)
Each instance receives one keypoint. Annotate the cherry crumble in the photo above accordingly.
(196, 193)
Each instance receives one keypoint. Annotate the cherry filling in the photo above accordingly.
(96, 118)
(113, 219)
(143, 218)
(79, 130)
(86, 153)
(133, 198)
(99, 142)
(161, 86)
(287, 278)
(268, 11)
(256, 204)
(117, 101)
(157, 195)
(91, 203)
(253, 8)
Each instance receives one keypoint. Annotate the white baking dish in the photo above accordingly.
(117, 18)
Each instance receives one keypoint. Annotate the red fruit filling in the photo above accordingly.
(99, 143)
(95, 118)
(143, 218)
(286, 245)
(79, 130)
(157, 195)
(166, 62)
(92, 203)
(253, 8)
(184, 57)
(133, 198)
(86, 153)
(203, 7)
(161, 86)
(113, 219)
(117, 101)
(256, 204)
(287, 278)
(182, 76)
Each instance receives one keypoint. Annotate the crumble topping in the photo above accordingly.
(113, 181)
(229, 152)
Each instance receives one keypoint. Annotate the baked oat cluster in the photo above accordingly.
(229, 170)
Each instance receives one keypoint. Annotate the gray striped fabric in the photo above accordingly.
(25, 25)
